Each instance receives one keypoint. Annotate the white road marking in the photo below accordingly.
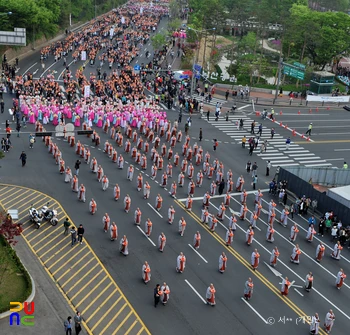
(223, 195)
(335, 159)
(146, 236)
(65, 69)
(198, 253)
(34, 73)
(195, 291)
(48, 68)
(154, 209)
(239, 108)
(341, 149)
(298, 292)
(30, 68)
(255, 311)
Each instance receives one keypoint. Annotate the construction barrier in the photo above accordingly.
(294, 132)
(299, 112)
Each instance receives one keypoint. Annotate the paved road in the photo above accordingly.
(186, 311)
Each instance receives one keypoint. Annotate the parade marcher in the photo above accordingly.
(337, 251)
(166, 293)
(106, 222)
(340, 279)
(248, 289)
(210, 295)
(159, 202)
(222, 262)
(309, 282)
(191, 188)
(197, 240)
(68, 175)
(227, 199)
(180, 263)
(320, 250)
(310, 233)
(295, 257)
(285, 286)
(146, 272)
(206, 200)
(164, 181)
(232, 222)
(182, 226)
(130, 173)
(82, 193)
(229, 237)
(74, 184)
(127, 203)
(113, 231)
(239, 184)
(205, 216)
(139, 182)
(148, 227)
(284, 217)
(161, 242)
(124, 246)
(173, 189)
(221, 212)
(181, 179)
(243, 212)
(254, 261)
(171, 215)
(329, 321)
(93, 165)
(253, 218)
(92, 207)
(137, 216)
(120, 162)
(249, 235)
(105, 183)
(293, 233)
(146, 190)
(315, 324)
(274, 256)
(213, 223)
(244, 195)
(269, 233)
(116, 192)
(100, 173)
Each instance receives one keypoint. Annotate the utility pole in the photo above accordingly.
(280, 64)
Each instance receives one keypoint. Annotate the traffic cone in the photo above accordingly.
(299, 112)
(302, 136)
(316, 109)
(328, 108)
(310, 111)
(308, 139)
(294, 133)
(281, 124)
(281, 113)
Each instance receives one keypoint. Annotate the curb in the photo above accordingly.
(29, 299)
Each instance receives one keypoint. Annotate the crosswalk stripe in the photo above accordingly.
(305, 158)
(315, 165)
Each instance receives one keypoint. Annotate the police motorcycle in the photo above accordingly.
(49, 214)
(35, 216)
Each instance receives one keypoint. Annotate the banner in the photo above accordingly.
(86, 91)
(83, 56)
(320, 98)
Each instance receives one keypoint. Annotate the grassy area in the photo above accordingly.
(15, 284)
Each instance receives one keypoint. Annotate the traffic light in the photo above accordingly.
(43, 133)
(85, 132)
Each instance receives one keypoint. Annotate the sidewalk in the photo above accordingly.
(51, 309)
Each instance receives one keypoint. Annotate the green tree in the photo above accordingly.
(158, 41)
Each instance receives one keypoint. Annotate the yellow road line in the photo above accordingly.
(98, 296)
(58, 252)
(130, 328)
(109, 310)
(10, 196)
(49, 242)
(13, 203)
(108, 275)
(140, 331)
(64, 264)
(77, 272)
(244, 262)
(42, 231)
(82, 278)
(53, 231)
(112, 320)
(2, 190)
(121, 324)
(53, 273)
(31, 202)
(92, 291)
(63, 256)
(54, 247)
(30, 226)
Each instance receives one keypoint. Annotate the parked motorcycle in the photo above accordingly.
(49, 214)
(35, 216)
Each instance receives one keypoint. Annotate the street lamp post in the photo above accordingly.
(196, 55)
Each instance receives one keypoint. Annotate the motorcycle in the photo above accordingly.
(49, 214)
(35, 216)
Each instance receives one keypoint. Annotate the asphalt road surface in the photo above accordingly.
(186, 311)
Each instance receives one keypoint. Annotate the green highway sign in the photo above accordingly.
(291, 71)
(299, 65)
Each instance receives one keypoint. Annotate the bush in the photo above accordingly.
(218, 69)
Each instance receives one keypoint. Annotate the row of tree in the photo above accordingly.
(311, 36)
(47, 17)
